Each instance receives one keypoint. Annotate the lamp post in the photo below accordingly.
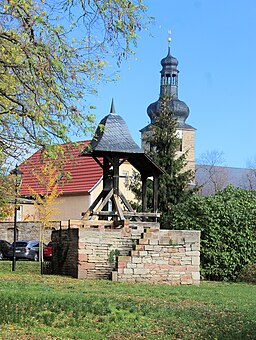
(17, 173)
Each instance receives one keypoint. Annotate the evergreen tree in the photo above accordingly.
(164, 143)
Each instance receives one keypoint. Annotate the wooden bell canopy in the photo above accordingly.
(112, 145)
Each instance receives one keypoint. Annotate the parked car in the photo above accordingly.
(48, 252)
(25, 250)
(4, 249)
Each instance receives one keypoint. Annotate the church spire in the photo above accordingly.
(169, 89)
(169, 74)
(112, 109)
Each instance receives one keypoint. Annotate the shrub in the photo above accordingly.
(227, 222)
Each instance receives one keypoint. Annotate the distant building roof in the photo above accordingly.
(213, 178)
(84, 171)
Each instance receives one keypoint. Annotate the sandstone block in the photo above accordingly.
(139, 247)
(193, 253)
(193, 269)
(114, 276)
(151, 266)
(187, 262)
(161, 261)
(121, 264)
(136, 260)
(164, 241)
(195, 247)
(178, 268)
(140, 271)
(149, 247)
(87, 265)
(82, 274)
(131, 265)
(186, 277)
(196, 276)
(155, 255)
(195, 260)
(82, 257)
(164, 266)
(174, 261)
(173, 250)
(143, 241)
(123, 258)
(153, 241)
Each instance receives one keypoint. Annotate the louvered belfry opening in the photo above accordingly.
(112, 145)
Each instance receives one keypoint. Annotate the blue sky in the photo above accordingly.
(214, 42)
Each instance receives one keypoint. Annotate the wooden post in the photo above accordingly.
(144, 193)
(116, 175)
(155, 193)
(106, 179)
(115, 180)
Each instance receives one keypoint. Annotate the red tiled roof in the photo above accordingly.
(84, 172)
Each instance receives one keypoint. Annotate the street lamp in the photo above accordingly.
(18, 179)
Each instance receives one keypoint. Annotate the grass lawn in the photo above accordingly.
(53, 307)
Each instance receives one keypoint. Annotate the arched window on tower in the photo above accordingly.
(174, 79)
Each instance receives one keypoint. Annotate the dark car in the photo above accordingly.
(25, 250)
(4, 249)
(48, 252)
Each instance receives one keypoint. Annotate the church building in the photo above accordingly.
(177, 108)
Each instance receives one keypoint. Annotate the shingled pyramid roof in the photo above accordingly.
(112, 135)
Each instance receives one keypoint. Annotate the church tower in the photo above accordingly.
(169, 88)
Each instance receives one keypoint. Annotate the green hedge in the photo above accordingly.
(227, 222)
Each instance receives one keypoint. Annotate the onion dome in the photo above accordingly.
(169, 89)
(178, 108)
(169, 60)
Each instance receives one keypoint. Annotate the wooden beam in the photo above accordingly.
(126, 214)
(93, 205)
(106, 199)
(97, 161)
(127, 204)
(104, 213)
(91, 223)
(118, 207)
(140, 214)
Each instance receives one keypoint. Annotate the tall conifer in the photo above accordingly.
(163, 144)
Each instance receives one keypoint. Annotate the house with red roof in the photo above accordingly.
(80, 183)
